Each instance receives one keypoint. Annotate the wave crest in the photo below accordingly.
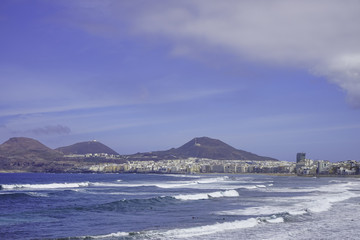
(202, 196)
(45, 186)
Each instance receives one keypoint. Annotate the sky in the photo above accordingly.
(269, 77)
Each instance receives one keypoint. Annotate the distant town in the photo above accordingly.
(302, 166)
(200, 155)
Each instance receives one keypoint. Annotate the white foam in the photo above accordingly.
(166, 185)
(224, 183)
(298, 212)
(249, 187)
(105, 184)
(275, 219)
(211, 229)
(333, 188)
(252, 187)
(319, 200)
(170, 184)
(323, 203)
(37, 194)
(329, 195)
(336, 181)
(258, 211)
(202, 196)
(123, 193)
(46, 186)
(294, 190)
(293, 206)
(117, 234)
(183, 233)
(182, 175)
(176, 184)
(212, 180)
(205, 183)
(230, 193)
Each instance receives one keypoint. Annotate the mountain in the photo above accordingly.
(26, 153)
(87, 147)
(29, 155)
(21, 147)
(204, 147)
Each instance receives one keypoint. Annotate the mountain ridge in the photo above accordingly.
(205, 147)
(86, 148)
(27, 154)
(20, 146)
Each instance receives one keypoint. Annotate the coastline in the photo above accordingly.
(160, 173)
(14, 171)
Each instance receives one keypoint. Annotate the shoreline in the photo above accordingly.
(14, 171)
(268, 174)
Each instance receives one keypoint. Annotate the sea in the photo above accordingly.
(160, 206)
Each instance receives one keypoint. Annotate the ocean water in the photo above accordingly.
(149, 206)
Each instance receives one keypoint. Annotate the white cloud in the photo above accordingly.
(320, 36)
(345, 72)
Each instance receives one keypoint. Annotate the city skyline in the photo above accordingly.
(274, 78)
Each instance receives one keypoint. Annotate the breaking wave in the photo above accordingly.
(321, 199)
(206, 182)
(184, 233)
(44, 186)
(148, 203)
(202, 196)
(118, 183)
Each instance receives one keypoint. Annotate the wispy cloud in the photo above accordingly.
(24, 96)
(50, 130)
(320, 36)
(29, 110)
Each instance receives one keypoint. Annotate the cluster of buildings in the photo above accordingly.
(306, 166)
(93, 155)
(197, 165)
(302, 166)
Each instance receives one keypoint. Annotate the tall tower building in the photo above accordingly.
(300, 157)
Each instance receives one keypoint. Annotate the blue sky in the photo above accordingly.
(270, 77)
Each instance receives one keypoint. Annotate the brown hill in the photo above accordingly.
(25, 153)
(22, 147)
(87, 147)
(204, 147)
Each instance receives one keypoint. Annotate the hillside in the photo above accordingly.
(25, 154)
(205, 147)
(21, 147)
(86, 147)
